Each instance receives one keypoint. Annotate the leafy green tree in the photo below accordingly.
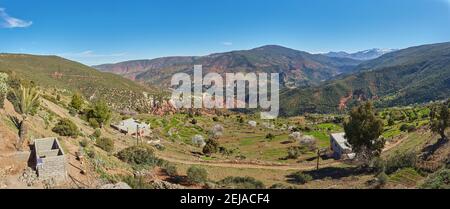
(77, 101)
(363, 130)
(26, 101)
(101, 112)
(440, 120)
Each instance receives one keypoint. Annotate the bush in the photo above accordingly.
(241, 183)
(94, 123)
(3, 88)
(407, 128)
(194, 121)
(301, 178)
(66, 127)
(381, 180)
(215, 119)
(270, 136)
(100, 111)
(211, 147)
(84, 142)
(77, 101)
(438, 180)
(281, 186)
(400, 160)
(138, 155)
(171, 170)
(97, 133)
(106, 144)
(197, 175)
(295, 152)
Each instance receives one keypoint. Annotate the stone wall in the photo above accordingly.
(52, 167)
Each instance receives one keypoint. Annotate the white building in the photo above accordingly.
(132, 127)
(340, 146)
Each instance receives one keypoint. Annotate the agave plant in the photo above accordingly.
(27, 98)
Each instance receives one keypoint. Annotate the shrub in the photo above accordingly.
(382, 179)
(301, 178)
(438, 180)
(270, 136)
(211, 147)
(215, 119)
(94, 123)
(295, 136)
(241, 183)
(407, 128)
(197, 175)
(171, 170)
(77, 101)
(66, 127)
(106, 144)
(138, 155)
(281, 186)
(84, 142)
(295, 152)
(3, 88)
(97, 133)
(400, 160)
(194, 121)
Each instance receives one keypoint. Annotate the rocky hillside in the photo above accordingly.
(297, 68)
(414, 75)
(56, 72)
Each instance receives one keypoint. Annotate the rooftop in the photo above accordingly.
(341, 140)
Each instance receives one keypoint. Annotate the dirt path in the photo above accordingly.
(250, 165)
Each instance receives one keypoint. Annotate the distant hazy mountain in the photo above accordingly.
(361, 55)
(297, 68)
(413, 75)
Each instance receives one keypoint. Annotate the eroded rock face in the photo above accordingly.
(120, 185)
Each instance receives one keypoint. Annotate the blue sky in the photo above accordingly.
(104, 31)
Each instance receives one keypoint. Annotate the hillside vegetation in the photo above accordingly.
(59, 73)
(414, 75)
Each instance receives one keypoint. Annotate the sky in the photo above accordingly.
(108, 31)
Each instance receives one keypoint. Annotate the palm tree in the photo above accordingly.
(27, 98)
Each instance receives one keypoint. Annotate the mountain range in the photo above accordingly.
(361, 55)
(413, 75)
(297, 68)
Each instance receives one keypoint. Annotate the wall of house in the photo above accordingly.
(53, 167)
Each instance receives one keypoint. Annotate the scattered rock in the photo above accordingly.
(29, 177)
(119, 185)
(159, 184)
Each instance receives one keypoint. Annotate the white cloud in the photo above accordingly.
(227, 43)
(7, 21)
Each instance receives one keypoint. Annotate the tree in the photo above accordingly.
(100, 112)
(197, 175)
(211, 147)
(440, 120)
(25, 100)
(77, 101)
(363, 130)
